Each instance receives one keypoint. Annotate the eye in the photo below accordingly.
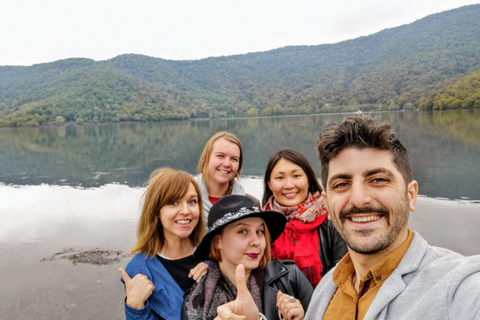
(173, 203)
(379, 180)
(235, 159)
(278, 178)
(242, 231)
(193, 201)
(260, 231)
(340, 185)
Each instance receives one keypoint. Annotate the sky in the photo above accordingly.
(33, 31)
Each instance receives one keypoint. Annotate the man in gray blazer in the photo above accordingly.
(389, 271)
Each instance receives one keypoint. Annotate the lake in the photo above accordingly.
(444, 148)
(70, 191)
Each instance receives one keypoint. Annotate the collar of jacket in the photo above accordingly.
(274, 270)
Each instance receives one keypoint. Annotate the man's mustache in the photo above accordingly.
(369, 209)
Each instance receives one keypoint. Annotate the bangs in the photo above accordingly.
(176, 189)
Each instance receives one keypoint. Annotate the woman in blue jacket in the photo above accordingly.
(170, 227)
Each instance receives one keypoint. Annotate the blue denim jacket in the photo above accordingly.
(167, 298)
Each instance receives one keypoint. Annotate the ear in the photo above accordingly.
(218, 243)
(324, 196)
(412, 192)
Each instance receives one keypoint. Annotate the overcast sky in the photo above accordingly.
(33, 31)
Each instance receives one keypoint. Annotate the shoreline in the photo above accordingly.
(257, 194)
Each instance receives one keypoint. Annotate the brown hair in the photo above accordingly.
(361, 132)
(297, 158)
(164, 186)
(267, 253)
(207, 152)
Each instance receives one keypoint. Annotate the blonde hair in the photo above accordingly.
(267, 253)
(207, 152)
(164, 186)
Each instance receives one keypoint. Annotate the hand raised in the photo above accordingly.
(138, 289)
(243, 307)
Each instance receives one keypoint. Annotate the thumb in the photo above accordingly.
(242, 289)
(124, 275)
(243, 304)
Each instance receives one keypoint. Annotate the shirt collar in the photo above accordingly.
(378, 273)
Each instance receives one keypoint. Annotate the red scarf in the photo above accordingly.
(299, 240)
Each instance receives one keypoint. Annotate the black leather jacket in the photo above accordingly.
(332, 246)
(284, 276)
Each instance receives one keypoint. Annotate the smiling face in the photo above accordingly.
(180, 217)
(242, 241)
(368, 200)
(223, 162)
(289, 183)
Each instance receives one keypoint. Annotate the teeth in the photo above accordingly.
(290, 194)
(365, 219)
(183, 221)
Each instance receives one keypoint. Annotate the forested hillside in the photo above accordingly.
(462, 94)
(432, 63)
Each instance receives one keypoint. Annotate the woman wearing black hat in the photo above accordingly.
(240, 233)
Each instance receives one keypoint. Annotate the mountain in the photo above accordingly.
(405, 67)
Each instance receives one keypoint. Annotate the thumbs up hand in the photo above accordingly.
(138, 289)
(243, 307)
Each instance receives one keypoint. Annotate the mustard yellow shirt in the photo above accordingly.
(346, 304)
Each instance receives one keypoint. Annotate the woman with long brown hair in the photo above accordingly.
(171, 225)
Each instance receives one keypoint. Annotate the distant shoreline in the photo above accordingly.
(86, 124)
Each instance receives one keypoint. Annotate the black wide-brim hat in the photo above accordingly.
(232, 208)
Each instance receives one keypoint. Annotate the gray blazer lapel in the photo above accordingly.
(321, 297)
(392, 287)
(396, 282)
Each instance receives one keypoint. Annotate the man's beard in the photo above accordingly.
(358, 240)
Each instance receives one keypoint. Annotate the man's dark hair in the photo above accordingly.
(361, 132)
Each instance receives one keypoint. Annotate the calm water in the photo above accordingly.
(444, 148)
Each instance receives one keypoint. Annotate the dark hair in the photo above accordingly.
(295, 157)
(361, 132)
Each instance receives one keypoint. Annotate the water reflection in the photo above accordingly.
(444, 148)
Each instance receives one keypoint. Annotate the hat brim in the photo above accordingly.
(275, 222)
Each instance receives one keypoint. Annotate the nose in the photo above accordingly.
(289, 183)
(360, 195)
(254, 240)
(184, 208)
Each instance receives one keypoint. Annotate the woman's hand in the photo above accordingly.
(243, 307)
(198, 271)
(288, 307)
(138, 289)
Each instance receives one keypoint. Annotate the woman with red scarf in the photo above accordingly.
(309, 238)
